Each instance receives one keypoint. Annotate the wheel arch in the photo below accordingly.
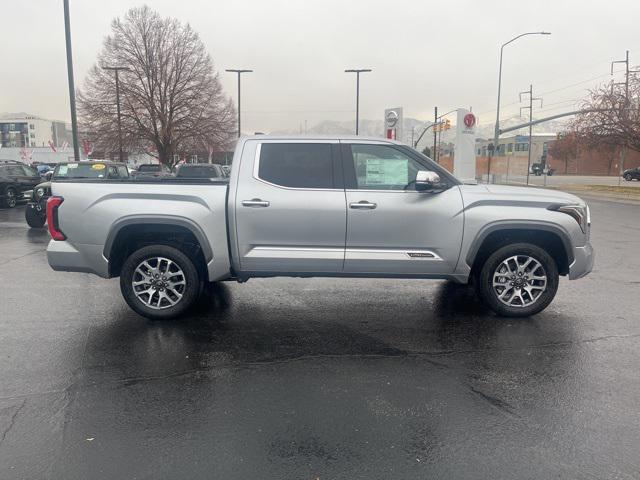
(133, 231)
(549, 236)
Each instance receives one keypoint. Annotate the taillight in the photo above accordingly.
(52, 218)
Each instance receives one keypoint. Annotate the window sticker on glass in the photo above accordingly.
(98, 166)
(62, 170)
(387, 171)
(70, 165)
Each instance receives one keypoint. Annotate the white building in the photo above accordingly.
(24, 130)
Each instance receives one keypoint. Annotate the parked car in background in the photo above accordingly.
(152, 170)
(199, 170)
(319, 206)
(15, 178)
(631, 174)
(539, 169)
(35, 212)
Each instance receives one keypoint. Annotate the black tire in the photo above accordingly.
(10, 199)
(628, 178)
(34, 218)
(489, 295)
(190, 292)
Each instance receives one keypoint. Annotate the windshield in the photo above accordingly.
(80, 170)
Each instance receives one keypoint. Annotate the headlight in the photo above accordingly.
(39, 192)
(27, 193)
(580, 213)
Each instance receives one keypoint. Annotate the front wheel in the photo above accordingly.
(518, 280)
(627, 177)
(159, 282)
(34, 218)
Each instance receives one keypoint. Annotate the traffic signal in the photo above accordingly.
(447, 124)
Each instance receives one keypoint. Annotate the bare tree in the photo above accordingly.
(171, 98)
(613, 119)
(565, 148)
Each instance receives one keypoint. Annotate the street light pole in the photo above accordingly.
(358, 71)
(117, 70)
(497, 127)
(239, 72)
(72, 88)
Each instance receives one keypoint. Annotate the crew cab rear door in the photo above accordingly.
(290, 209)
(392, 229)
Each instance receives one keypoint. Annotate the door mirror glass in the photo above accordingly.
(427, 181)
(48, 175)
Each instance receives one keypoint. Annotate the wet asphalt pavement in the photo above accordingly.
(320, 378)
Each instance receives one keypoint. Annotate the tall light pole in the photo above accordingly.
(117, 70)
(497, 129)
(358, 71)
(72, 88)
(239, 72)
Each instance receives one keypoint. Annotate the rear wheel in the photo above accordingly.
(159, 282)
(10, 199)
(34, 218)
(518, 280)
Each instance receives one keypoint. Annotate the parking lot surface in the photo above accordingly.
(320, 378)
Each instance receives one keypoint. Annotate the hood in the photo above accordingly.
(505, 194)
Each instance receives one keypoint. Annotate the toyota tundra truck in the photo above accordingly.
(338, 206)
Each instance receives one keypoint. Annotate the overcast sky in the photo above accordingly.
(423, 53)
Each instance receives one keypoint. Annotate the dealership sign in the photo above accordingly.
(393, 123)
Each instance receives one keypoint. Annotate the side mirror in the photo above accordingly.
(48, 175)
(428, 181)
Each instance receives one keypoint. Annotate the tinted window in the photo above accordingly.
(149, 168)
(14, 171)
(297, 165)
(380, 167)
(123, 172)
(199, 171)
(30, 171)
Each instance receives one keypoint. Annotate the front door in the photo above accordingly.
(391, 227)
(290, 208)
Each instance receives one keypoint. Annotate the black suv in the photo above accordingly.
(15, 178)
(631, 174)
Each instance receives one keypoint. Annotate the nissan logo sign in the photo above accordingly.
(392, 118)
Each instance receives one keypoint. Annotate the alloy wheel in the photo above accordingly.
(519, 281)
(159, 283)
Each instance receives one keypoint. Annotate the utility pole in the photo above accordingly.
(530, 107)
(72, 88)
(435, 134)
(117, 70)
(357, 71)
(626, 107)
(239, 72)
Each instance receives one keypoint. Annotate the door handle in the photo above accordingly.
(363, 205)
(255, 202)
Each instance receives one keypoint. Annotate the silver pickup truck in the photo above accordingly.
(318, 206)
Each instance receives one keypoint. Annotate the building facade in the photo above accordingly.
(24, 130)
(518, 146)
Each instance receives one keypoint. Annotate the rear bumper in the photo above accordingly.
(583, 261)
(65, 257)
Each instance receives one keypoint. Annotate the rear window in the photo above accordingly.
(80, 170)
(149, 168)
(296, 165)
(198, 171)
